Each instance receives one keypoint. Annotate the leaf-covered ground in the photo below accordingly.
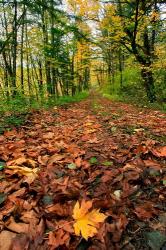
(109, 153)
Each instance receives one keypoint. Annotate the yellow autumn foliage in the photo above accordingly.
(86, 223)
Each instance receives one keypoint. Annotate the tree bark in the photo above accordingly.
(22, 52)
(148, 79)
(14, 92)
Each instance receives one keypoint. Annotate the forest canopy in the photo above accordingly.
(57, 48)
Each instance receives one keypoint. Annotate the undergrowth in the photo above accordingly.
(13, 113)
(131, 91)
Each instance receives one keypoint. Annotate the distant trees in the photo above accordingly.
(46, 51)
(134, 25)
(42, 50)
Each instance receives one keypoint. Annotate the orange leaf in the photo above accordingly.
(58, 238)
(6, 238)
(78, 162)
(160, 151)
(87, 222)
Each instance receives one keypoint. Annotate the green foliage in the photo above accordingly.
(65, 99)
(108, 163)
(14, 112)
(3, 197)
(15, 120)
(155, 240)
(132, 89)
(93, 161)
(23, 105)
(12, 120)
(72, 166)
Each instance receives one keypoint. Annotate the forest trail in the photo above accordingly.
(111, 153)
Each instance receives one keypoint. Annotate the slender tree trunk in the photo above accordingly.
(121, 68)
(40, 81)
(22, 52)
(45, 43)
(27, 62)
(98, 79)
(8, 67)
(14, 92)
(6, 81)
(72, 76)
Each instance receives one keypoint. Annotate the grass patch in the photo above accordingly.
(23, 105)
(13, 120)
(13, 113)
(65, 99)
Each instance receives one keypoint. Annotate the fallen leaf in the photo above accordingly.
(29, 216)
(117, 193)
(3, 197)
(107, 163)
(17, 227)
(59, 209)
(72, 166)
(93, 160)
(145, 211)
(55, 158)
(58, 238)
(22, 161)
(78, 162)
(1, 167)
(155, 240)
(30, 173)
(86, 222)
(80, 211)
(6, 238)
(20, 242)
(160, 151)
(164, 182)
(47, 200)
(49, 135)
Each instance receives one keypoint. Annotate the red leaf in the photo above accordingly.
(160, 151)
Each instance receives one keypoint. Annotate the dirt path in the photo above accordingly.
(111, 153)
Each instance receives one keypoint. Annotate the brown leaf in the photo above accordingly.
(59, 209)
(18, 193)
(117, 227)
(49, 135)
(160, 151)
(145, 211)
(2, 138)
(59, 238)
(109, 175)
(6, 238)
(78, 162)
(40, 227)
(20, 242)
(17, 227)
(30, 216)
(22, 161)
(55, 158)
(152, 164)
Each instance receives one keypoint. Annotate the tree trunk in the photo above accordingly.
(40, 80)
(47, 59)
(147, 76)
(27, 62)
(14, 49)
(120, 67)
(22, 52)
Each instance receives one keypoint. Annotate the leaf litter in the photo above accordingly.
(74, 174)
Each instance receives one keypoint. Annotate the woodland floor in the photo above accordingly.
(109, 152)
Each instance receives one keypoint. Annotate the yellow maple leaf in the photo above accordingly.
(86, 222)
(30, 173)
